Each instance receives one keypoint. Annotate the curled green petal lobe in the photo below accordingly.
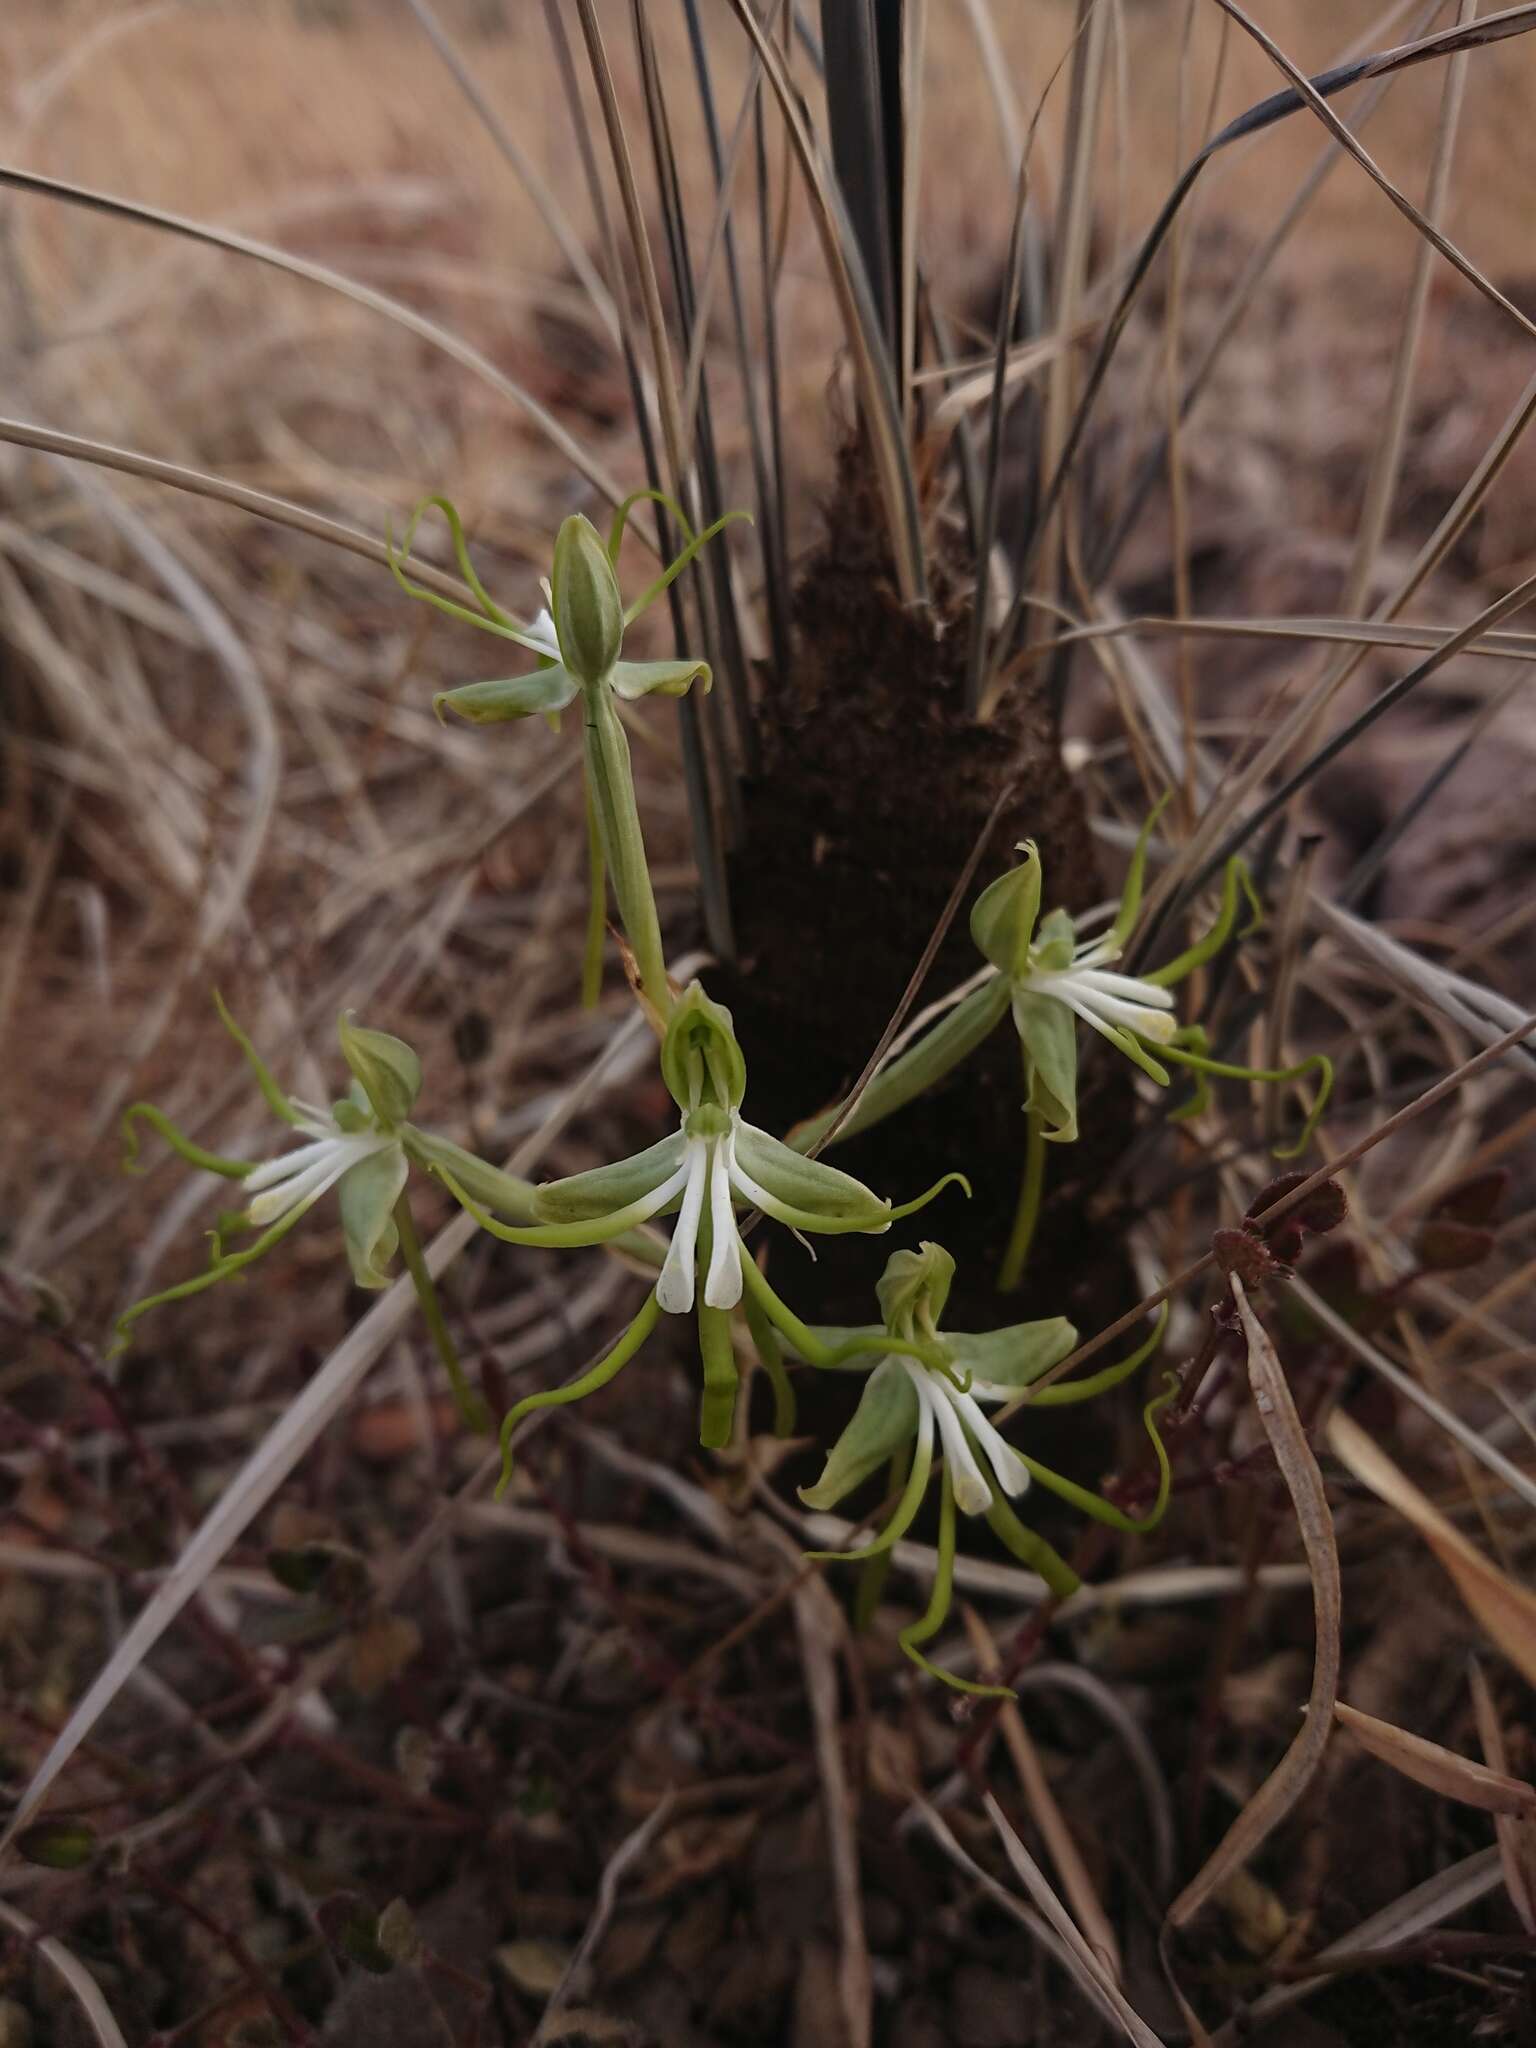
(386, 1067)
(367, 1194)
(914, 1287)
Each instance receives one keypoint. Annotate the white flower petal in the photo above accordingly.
(306, 1188)
(722, 1285)
(972, 1493)
(543, 630)
(1012, 1472)
(1129, 985)
(288, 1164)
(674, 1290)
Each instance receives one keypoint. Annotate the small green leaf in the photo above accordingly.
(884, 1420)
(390, 1073)
(545, 693)
(633, 679)
(57, 1844)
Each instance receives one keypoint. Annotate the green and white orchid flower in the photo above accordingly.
(362, 1146)
(928, 1388)
(713, 1163)
(1039, 972)
(579, 643)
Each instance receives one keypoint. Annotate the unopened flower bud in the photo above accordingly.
(589, 612)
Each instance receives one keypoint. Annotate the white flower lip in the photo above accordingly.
(963, 1427)
(709, 1169)
(543, 630)
(298, 1179)
(1102, 998)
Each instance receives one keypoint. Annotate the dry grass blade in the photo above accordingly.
(1304, 1482)
(200, 484)
(1087, 1967)
(235, 244)
(1506, 1611)
(629, 1852)
(72, 1973)
(1442, 1770)
(821, 1630)
(1050, 1820)
(880, 401)
(1517, 1837)
(1427, 1906)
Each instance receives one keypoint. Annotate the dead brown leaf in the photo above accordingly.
(1506, 1611)
(1442, 1770)
(1290, 1777)
(1517, 1837)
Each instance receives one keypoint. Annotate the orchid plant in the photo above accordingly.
(926, 1399)
(1048, 979)
(929, 1385)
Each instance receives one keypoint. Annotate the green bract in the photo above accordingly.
(928, 1388)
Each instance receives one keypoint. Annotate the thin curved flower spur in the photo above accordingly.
(714, 1161)
(931, 1386)
(1050, 981)
(362, 1146)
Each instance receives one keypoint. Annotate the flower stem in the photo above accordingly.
(1028, 1212)
(597, 921)
(473, 1409)
(611, 793)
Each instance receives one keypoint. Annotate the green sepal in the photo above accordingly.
(1014, 1357)
(546, 694)
(575, 1236)
(584, 599)
(635, 679)
(384, 1066)
(492, 1188)
(367, 1194)
(885, 1419)
(583, 1196)
(804, 1193)
(1047, 1032)
(952, 1039)
(1004, 914)
(271, 1094)
(914, 1287)
(700, 1046)
(195, 1155)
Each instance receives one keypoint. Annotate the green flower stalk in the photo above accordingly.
(362, 1146)
(928, 1390)
(579, 644)
(713, 1163)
